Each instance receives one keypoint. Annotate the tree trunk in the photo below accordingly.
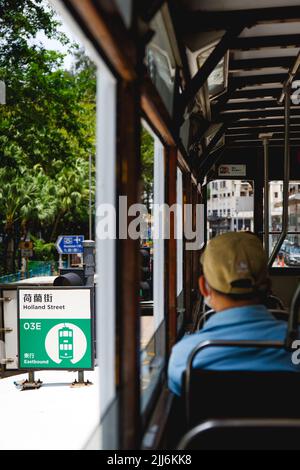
(10, 264)
(54, 230)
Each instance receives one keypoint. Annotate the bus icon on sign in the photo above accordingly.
(66, 343)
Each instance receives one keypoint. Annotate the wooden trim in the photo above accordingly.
(106, 27)
(182, 163)
(187, 188)
(156, 112)
(196, 253)
(128, 257)
(155, 435)
(207, 154)
(159, 119)
(171, 160)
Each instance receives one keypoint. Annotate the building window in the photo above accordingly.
(276, 195)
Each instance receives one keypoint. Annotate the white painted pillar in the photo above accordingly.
(106, 249)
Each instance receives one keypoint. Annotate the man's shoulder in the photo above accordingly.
(189, 341)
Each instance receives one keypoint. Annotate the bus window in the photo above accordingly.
(152, 292)
(289, 252)
(230, 207)
(218, 80)
(160, 61)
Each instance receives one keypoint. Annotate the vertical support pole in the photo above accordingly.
(187, 254)
(204, 201)
(129, 131)
(286, 180)
(180, 263)
(171, 160)
(23, 268)
(31, 377)
(2, 338)
(266, 195)
(81, 377)
(258, 196)
(287, 158)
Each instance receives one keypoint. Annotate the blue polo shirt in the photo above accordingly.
(253, 322)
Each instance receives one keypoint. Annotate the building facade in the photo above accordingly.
(231, 205)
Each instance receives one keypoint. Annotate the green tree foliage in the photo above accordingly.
(147, 156)
(44, 251)
(47, 129)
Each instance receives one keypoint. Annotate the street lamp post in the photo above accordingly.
(90, 199)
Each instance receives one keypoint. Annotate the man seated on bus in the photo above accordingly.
(234, 283)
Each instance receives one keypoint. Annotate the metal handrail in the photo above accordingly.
(221, 343)
(203, 318)
(208, 313)
(236, 423)
(293, 331)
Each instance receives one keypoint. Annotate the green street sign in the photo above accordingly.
(55, 328)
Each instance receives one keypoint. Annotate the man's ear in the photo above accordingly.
(203, 286)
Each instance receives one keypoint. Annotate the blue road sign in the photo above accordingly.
(70, 244)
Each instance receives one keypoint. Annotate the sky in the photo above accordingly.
(56, 45)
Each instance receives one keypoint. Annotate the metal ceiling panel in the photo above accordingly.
(228, 5)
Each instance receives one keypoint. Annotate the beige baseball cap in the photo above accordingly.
(236, 263)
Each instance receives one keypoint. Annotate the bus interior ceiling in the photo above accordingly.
(212, 80)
